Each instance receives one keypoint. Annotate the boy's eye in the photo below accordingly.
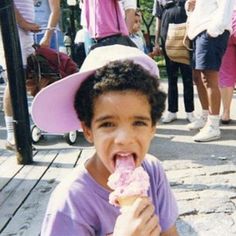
(106, 124)
(140, 123)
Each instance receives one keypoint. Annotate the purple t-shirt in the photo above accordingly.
(79, 205)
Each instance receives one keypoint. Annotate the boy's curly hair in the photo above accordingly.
(119, 76)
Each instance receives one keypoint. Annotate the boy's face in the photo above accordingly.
(137, 24)
(121, 125)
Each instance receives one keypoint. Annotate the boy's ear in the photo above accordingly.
(87, 132)
(153, 130)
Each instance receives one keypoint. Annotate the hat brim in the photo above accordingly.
(54, 104)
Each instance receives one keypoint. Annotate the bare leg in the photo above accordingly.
(210, 80)
(202, 92)
(7, 102)
(226, 96)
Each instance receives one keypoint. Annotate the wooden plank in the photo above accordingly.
(4, 156)
(86, 154)
(28, 219)
(15, 193)
(8, 169)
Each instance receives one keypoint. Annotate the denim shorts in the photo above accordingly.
(208, 51)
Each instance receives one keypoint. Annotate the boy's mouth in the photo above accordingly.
(125, 161)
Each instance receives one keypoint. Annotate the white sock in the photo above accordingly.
(10, 129)
(214, 120)
(205, 114)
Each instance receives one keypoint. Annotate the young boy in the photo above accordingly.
(116, 99)
(136, 34)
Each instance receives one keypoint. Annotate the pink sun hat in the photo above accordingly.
(53, 107)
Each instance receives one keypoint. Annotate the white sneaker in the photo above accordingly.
(208, 133)
(190, 117)
(197, 124)
(170, 116)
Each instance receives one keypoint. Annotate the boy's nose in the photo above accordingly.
(124, 136)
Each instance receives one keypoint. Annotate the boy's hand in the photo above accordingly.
(138, 220)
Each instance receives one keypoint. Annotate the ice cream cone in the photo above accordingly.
(127, 201)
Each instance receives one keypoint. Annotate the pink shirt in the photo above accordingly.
(104, 18)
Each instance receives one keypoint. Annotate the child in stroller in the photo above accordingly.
(44, 67)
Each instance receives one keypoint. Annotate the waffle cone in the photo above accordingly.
(127, 201)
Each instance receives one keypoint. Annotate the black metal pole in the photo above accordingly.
(16, 80)
(72, 23)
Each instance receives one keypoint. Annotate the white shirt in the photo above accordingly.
(214, 16)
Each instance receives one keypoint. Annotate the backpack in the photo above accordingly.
(45, 66)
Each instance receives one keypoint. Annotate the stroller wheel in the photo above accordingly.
(35, 134)
(71, 137)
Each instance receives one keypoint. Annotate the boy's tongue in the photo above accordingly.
(125, 162)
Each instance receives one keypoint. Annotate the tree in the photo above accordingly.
(148, 19)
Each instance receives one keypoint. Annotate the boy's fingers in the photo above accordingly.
(139, 205)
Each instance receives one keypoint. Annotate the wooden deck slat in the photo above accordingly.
(4, 155)
(27, 221)
(8, 170)
(18, 189)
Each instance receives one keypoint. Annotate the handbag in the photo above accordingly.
(177, 43)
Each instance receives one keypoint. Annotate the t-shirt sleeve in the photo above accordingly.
(59, 224)
(129, 4)
(161, 193)
(168, 210)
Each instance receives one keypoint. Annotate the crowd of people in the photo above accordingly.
(115, 98)
(208, 27)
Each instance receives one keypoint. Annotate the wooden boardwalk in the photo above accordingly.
(25, 189)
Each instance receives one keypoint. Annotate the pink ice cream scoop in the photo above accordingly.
(127, 181)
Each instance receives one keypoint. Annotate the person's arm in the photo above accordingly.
(130, 8)
(23, 24)
(157, 12)
(52, 22)
(130, 19)
(157, 48)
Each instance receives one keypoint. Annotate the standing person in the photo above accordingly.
(47, 15)
(228, 73)
(24, 12)
(166, 12)
(209, 27)
(109, 22)
(117, 101)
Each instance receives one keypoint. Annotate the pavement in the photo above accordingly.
(202, 175)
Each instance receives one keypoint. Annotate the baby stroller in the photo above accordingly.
(44, 67)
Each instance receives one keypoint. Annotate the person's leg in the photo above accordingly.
(172, 73)
(8, 119)
(172, 99)
(208, 56)
(228, 78)
(226, 97)
(203, 98)
(26, 42)
(211, 130)
(210, 81)
(186, 73)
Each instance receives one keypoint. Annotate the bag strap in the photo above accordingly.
(186, 38)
